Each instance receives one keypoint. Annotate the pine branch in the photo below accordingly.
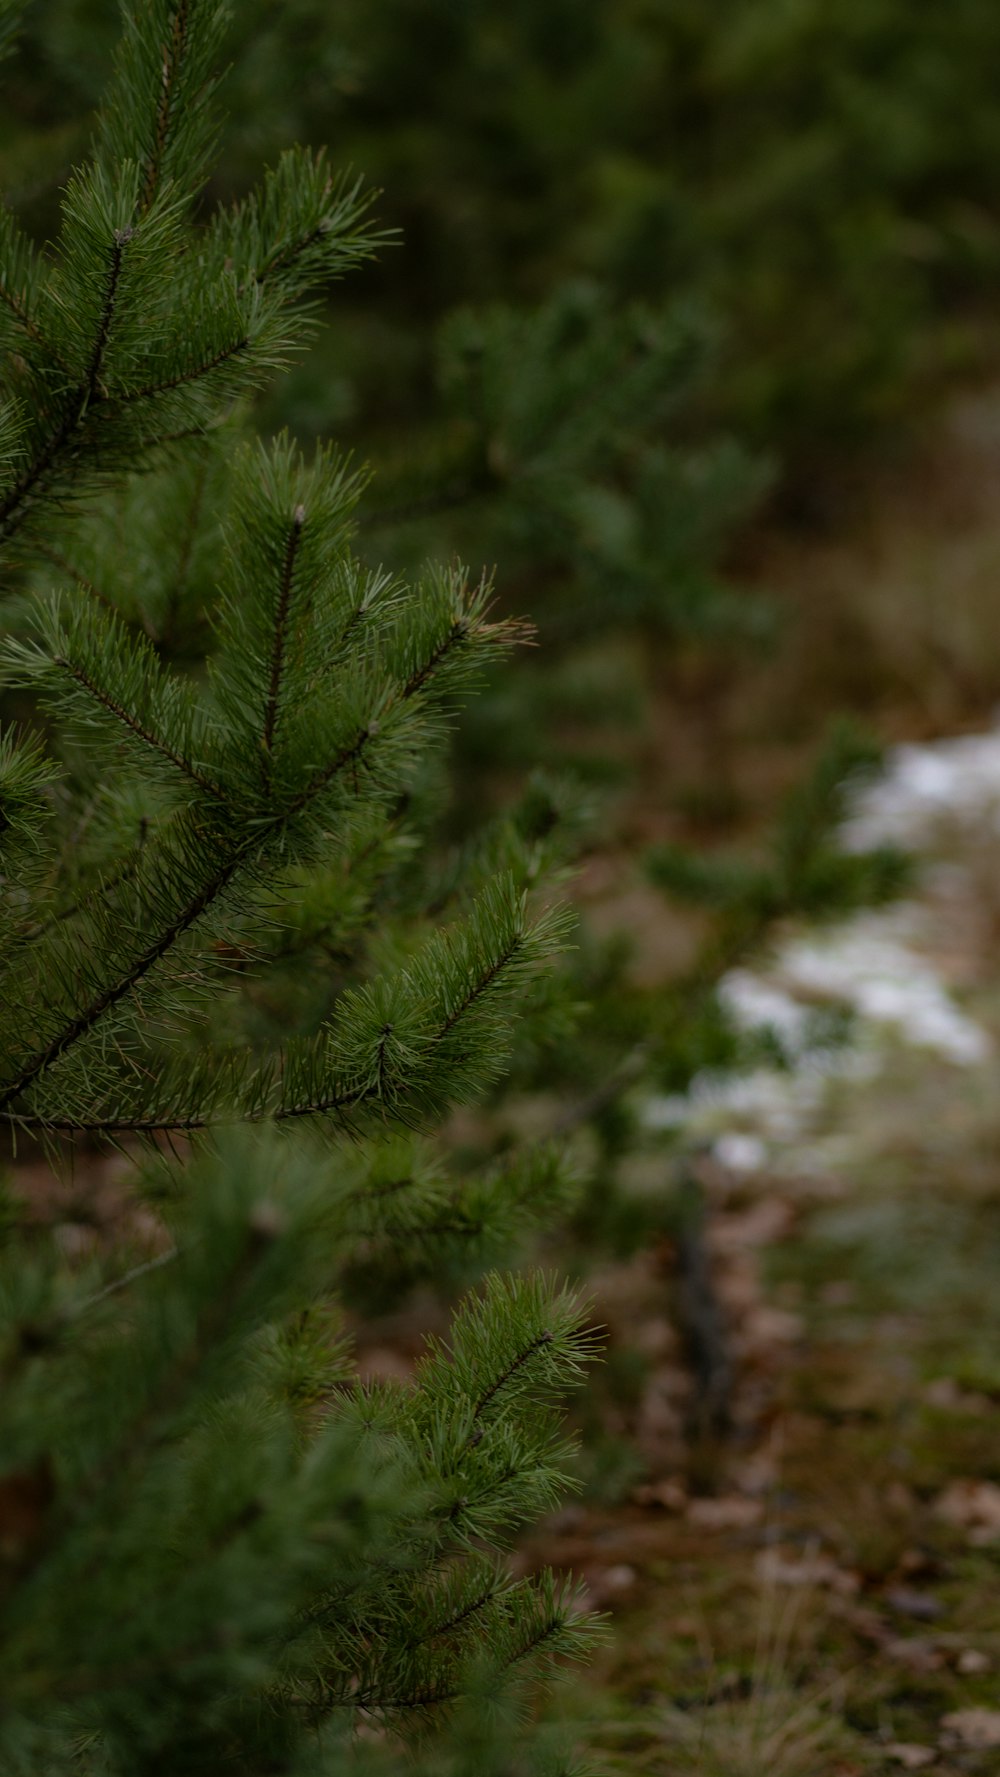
(286, 256)
(49, 553)
(132, 723)
(75, 403)
(15, 306)
(116, 260)
(83, 401)
(385, 1086)
(474, 1606)
(91, 1015)
(21, 276)
(299, 218)
(545, 1337)
(546, 1632)
(481, 986)
(173, 58)
(372, 1703)
(281, 629)
(354, 751)
(111, 1126)
(35, 934)
(22, 494)
(86, 1020)
(191, 374)
(289, 1545)
(125, 1281)
(455, 637)
(352, 1098)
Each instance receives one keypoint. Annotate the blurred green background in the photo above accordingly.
(803, 194)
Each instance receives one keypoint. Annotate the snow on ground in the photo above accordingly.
(928, 790)
(878, 967)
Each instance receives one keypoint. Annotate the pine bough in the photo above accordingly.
(218, 1549)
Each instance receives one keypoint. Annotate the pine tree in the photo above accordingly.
(225, 945)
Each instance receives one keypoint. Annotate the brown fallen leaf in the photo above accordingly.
(899, 1499)
(670, 1495)
(917, 1563)
(971, 1662)
(765, 1325)
(838, 1293)
(656, 1338)
(733, 1512)
(606, 1584)
(909, 1755)
(868, 1624)
(972, 1506)
(757, 1473)
(907, 1601)
(973, 1727)
(767, 1220)
(947, 1394)
(913, 1652)
(777, 1568)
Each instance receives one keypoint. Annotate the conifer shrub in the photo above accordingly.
(228, 950)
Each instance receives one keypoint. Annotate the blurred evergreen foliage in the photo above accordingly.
(809, 186)
(805, 871)
(818, 176)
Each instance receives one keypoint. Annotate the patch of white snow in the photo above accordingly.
(925, 789)
(755, 1004)
(739, 1152)
(873, 965)
(862, 964)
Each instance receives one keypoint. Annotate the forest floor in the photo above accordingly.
(802, 1575)
(813, 1589)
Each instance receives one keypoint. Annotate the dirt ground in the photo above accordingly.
(812, 1588)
